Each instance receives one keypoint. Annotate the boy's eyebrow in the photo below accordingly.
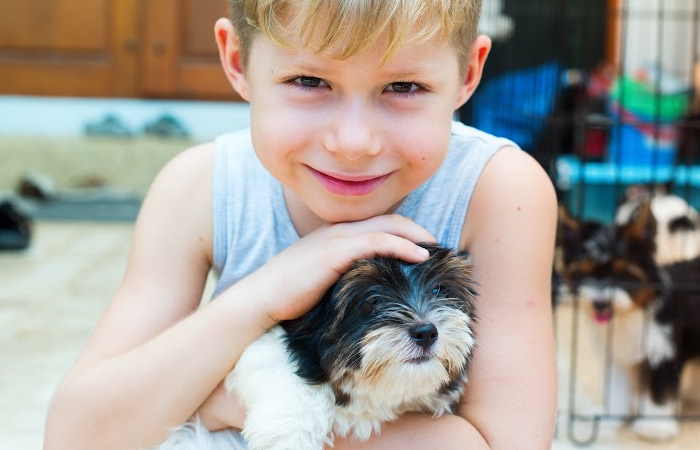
(306, 67)
(387, 73)
(399, 74)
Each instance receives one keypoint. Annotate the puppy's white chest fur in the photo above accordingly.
(286, 412)
(400, 389)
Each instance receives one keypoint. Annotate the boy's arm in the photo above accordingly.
(510, 230)
(148, 365)
(420, 432)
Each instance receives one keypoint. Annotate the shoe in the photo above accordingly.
(15, 227)
(36, 186)
(109, 126)
(166, 126)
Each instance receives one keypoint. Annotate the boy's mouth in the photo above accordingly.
(354, 185)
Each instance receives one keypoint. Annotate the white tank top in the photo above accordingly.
(252, 224)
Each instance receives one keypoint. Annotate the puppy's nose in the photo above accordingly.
(423, 334)
(602, 305)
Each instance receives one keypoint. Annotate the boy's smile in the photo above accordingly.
(342, 184)
(349, 139)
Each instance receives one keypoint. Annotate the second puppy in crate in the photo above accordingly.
(652, 311)
(387, 339)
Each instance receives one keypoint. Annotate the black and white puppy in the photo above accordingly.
(677, 232)
(388, 338)
(648, 317)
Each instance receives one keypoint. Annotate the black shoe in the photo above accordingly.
(15, 227)
(36, 186)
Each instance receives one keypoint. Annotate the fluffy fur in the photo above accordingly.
(677, 231)
(649, 313)
(388, 338)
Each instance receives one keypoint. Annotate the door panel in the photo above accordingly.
(69, 47)
(112, 48)
(181, 58)
(54, 25)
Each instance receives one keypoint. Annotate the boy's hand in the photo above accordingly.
(305, 270)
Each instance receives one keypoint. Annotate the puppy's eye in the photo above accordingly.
(436, 291)
(367, 305)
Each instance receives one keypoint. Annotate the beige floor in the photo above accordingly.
(51, 296)
(126, 165)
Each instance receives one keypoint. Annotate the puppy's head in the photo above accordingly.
(617, 276)
(612, 289)
(389, 320)
(577, 239)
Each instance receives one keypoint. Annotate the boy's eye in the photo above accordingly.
(403, 87)
(308, 82)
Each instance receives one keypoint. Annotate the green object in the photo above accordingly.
(640, 100)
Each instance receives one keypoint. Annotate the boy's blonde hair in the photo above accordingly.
(346, 27)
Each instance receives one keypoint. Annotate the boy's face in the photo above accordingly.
(349, 139)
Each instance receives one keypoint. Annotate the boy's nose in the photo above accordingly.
(352, 134)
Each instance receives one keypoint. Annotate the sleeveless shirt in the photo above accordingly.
(251, 222)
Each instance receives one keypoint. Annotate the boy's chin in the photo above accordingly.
(347, 213)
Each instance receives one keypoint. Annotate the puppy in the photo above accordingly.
(388, 338)
(677, 233)
(576, 240)
(649, 317)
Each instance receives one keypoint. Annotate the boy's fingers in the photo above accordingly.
(394, 224)
(389, 245)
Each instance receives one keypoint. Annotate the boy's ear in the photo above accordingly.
(475, 68)
(230, 56)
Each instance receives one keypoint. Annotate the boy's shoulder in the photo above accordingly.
(461, 132)
(178, 203)
(191, 165)
(512, 182)
(185, 181)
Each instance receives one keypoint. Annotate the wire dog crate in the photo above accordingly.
(606, 95)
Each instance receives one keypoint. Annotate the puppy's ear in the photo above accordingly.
(432, 247)
(439, 252)
(465, 255)
(642, 226)
(567, 224)
(570, 236)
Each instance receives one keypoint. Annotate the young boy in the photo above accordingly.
(351, 153)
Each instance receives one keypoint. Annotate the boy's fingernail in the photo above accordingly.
(423, 253)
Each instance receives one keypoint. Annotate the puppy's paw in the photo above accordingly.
(303, 424)
(656, 429)
(193, 436)
(301, 432)
(360, 428)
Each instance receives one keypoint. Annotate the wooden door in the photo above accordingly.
(613, 32)
(180, 55)
(69, 47)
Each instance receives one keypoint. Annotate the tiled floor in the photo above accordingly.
(51, 296)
